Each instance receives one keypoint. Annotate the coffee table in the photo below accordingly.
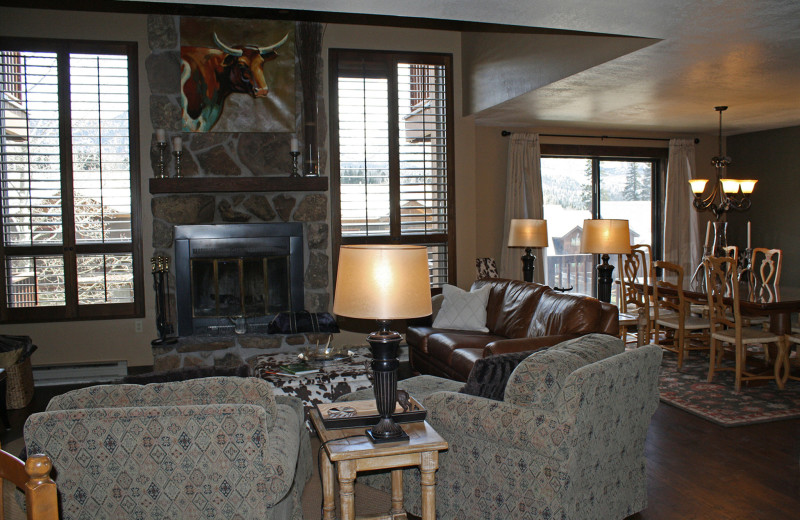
(351, 451)
(333, 379)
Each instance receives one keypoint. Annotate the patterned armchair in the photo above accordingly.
(566, 442)
(219, 447)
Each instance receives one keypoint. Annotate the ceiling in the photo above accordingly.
(701, 53)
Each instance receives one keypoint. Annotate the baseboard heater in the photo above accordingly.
(73, 374)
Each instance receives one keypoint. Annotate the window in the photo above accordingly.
(70, 186)
(391, 156)
(597, 182)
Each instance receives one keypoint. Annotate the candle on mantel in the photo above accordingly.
(160, 135)
(177, 144)
(748, 234)
(295, 147)
(708, 233)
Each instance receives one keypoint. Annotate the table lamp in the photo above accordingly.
(605, 237)
(527, 233)
(383, 283)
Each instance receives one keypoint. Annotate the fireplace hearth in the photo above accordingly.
(234, 278)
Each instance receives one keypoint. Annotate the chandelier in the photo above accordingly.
(727, 194)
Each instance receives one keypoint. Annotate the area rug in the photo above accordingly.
(717, 401)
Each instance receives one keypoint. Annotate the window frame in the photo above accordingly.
(656, 156)
(390, 60)
(68, 249)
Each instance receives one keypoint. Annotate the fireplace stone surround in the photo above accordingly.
(234, 178)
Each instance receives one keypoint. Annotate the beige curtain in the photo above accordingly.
(523, 200)
(681, 237)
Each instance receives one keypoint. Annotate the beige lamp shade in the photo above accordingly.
(527, 232)
(382, 282)
(606, 237)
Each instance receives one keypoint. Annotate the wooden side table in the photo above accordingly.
(358, 454)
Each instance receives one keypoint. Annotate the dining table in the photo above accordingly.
(777, 302)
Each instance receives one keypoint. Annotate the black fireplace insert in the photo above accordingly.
(234, 278)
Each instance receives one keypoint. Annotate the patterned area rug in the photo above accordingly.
(717, 401)
(334, 379)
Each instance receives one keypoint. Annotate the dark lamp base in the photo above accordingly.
(376, 439)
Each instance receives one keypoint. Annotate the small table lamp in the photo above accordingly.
(605, 237)
(527, 233)
(383, 283)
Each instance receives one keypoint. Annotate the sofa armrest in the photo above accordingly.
(168, 454)
(504, 346)
(499, 423)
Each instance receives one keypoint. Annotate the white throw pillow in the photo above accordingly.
(462, 310)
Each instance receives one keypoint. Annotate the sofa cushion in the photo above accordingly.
(489, 375)
(558, 313)
(518, 305)
(462, 310)
(464, 359)
(538, 379)
(442, 344)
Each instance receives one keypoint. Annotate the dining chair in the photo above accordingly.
(33, 478)
(727, 327)
(672, 312)
(795, 339)
(634, 305)
(765, 266)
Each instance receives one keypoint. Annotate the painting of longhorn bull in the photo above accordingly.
(237, 75)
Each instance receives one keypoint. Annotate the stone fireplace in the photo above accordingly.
(229, 180)
(234, 278)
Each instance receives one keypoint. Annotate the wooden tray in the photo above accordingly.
(367, 414)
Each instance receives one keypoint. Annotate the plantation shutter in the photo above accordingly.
(391, 151)
(68, 183)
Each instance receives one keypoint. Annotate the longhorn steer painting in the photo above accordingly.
(232, 84)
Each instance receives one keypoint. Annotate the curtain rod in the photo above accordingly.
(506, 133)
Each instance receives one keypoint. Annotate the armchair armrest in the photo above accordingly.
(496, 422)
(504, 346)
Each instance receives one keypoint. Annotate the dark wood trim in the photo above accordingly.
(606, 152)
(225, 184)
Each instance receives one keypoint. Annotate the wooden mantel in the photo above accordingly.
(233, 184)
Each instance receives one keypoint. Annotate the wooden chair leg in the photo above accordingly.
(782, 364)
(712, 360)
(680, 345)
(741, 353)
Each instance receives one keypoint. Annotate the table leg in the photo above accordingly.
(397, 492)
(427, 468)
(347, 479)
(328, 500)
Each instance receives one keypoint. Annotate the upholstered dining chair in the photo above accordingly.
(727, 327)
(33, 478)
(634, 305)
(672, 312)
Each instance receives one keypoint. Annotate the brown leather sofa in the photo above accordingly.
(520, 316)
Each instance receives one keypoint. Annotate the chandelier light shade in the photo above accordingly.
(383, 283)
(527, 233)
(726, 194)
(605, 237)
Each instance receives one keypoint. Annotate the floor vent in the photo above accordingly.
(106, 372)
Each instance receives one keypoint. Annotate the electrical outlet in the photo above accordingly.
(137, 325)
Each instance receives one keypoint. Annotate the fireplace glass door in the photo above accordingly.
(239, 287)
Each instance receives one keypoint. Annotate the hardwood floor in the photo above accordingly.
(696, 469)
